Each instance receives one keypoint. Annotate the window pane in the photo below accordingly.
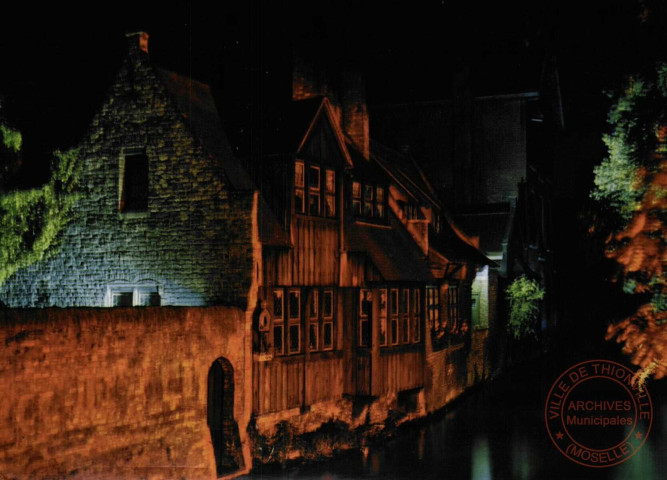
(405, 334)
(368, 209)
(405, 300)
(394, 302)
(314, 177)
(277, 304)
(294, 339)
(294, 305)
(328, 304)
(278, 339)
(331, 181)
(379, 210)
(313, 203)
(416, 306)
(364, 333)
(122, 299)
(312, 342)
(379, 194)
(356, 207)
(327, 335)
(298, 174)
(366, 302)
(394, 330)
(356, 190)
(149, 299)
(368, 192)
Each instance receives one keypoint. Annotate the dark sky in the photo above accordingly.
(57, 65)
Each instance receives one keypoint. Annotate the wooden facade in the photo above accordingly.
(347, 306)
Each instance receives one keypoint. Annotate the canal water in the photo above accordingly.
(496, 432)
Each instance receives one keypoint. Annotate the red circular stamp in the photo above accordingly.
(596, 415)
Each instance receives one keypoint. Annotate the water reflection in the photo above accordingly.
(498, 433)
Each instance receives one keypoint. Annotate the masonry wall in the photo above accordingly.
(114, 393)
(193, 244)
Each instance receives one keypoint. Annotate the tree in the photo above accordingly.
(631, 186)
(32, 220)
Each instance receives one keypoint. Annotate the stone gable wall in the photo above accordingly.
(194, 243)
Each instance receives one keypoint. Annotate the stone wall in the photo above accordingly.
(115, 393)
(192, 245)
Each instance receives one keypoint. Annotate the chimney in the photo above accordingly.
(137, 42)
(355, 111)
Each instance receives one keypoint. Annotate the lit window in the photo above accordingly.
(327, 320)
(405, 317)
(416, 316)
(356, 198)
(133, 296)
(313, 315)
(379, 202)
(331, 193)
(368, 200)
(394, 316)
(278, 322)
(453, 307)
(433, 309)
(299, 192)
(314, 190)
(134, 186)
(294, 327)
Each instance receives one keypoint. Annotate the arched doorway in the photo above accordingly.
(220, 417)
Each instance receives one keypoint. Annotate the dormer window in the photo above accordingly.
(368, 200)
(134, 182)
(309, 182)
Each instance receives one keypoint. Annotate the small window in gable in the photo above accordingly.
(134, 183)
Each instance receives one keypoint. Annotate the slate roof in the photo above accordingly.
(196, 103)
(391, 249)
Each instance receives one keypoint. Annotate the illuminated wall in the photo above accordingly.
(191, 242)
(115, 393)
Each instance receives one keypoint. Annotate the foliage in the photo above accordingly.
(31, 221)
(11, 138)
(524, 296)
(632, 181)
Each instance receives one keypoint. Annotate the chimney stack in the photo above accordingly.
(355, 111)
(137, 41)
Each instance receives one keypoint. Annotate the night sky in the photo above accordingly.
(57, 65)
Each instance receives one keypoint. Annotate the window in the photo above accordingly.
(369, 200)
(314, 190)
(416, 316)
(294, 322)
(330, 196)
(356, 198)
(453, 306)
(365, 313)
(433, 308)
(134, 184)
(133, 296)
(327, 320)
(379, 202)
(299, 195)
(394, 316)
(405, 315)
(313, 319)
(278, 322)
(382, 310)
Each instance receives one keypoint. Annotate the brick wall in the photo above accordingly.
(114, 393)
(194, 242)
